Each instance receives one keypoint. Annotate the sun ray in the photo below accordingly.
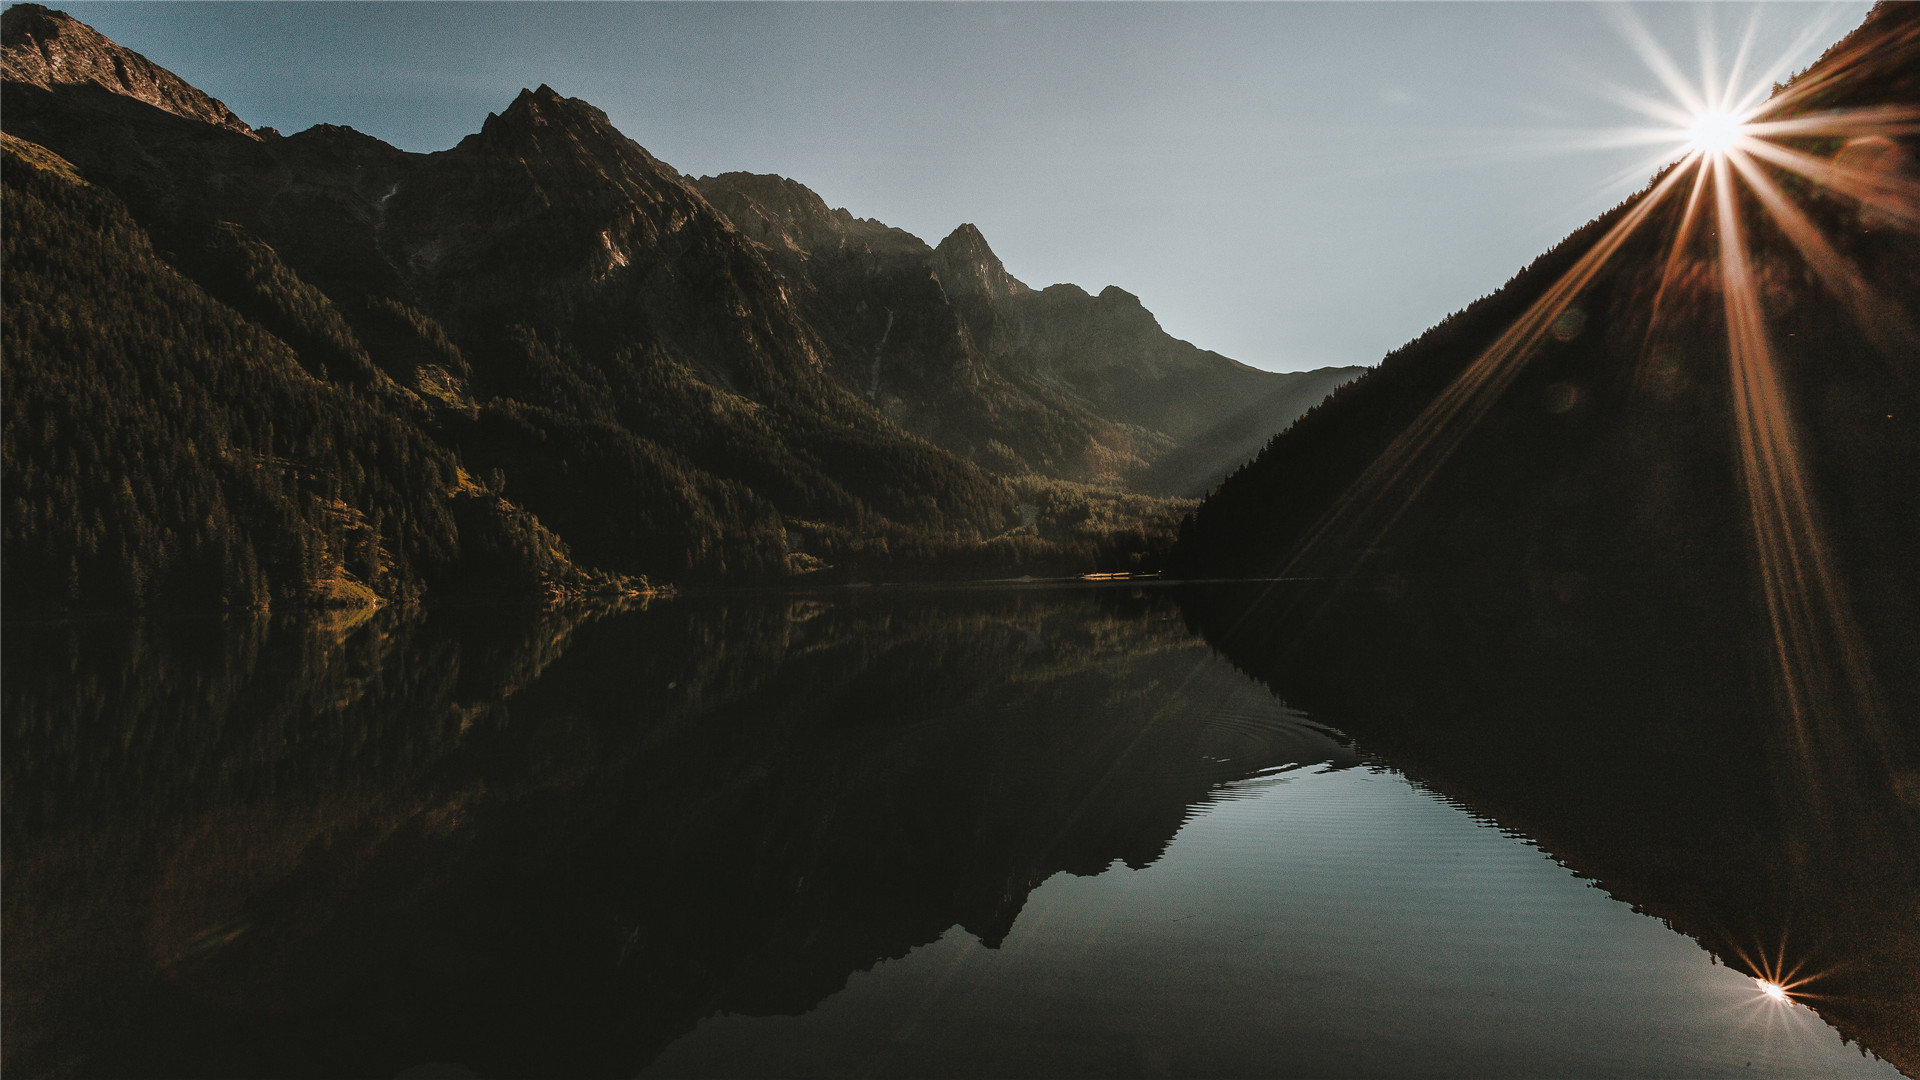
(1819, 654)
(1667, 138)
(1638, 171)
(1374, 502)
(1841, 65)
(1649, 165)
(1758, 416)
(1842, 123)
(1887, 193)
(1657, 59)
(1683, 232)
(1739, 62)
(1712, 91)
(1765, 82)
(1666, 112)
(1869, 309)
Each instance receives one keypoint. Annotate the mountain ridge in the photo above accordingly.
(619, 371)
(47, 48)
(1055, 380)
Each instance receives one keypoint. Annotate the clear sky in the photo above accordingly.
(1294, 184)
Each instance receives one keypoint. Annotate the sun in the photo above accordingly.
(1715, 131)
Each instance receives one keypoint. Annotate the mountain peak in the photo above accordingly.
(547, 119)
(545, 105)
(968, 237)
(1125, 309)
(535, 99)
(51, 50)
(968, 267)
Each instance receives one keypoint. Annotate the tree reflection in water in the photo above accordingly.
(1635, 732)
(551, 843)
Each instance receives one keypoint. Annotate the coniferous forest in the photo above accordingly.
(245, 369)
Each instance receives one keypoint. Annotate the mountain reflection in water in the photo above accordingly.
(1631, 727)
(553, 844)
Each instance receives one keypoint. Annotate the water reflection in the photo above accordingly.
(1634, 731)
(1332, 923)
(554, 843)
(550, 844)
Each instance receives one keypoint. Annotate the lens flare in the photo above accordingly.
(1715, 131)
(1772, 990)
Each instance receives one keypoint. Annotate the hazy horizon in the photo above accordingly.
(1292, 185)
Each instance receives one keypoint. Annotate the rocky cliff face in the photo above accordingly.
(969, 269)
(787, 216)
(49, 49)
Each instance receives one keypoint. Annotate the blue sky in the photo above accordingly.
(1293, 184)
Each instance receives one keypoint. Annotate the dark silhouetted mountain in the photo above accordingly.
(580, 361)
(1615, 447)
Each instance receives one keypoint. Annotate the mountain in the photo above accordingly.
(1594, 414)
(1052, 381)
(1627, 553)
(243, 367)
(1696, 420)
(1667, 470)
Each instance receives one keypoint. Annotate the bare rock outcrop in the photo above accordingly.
(49, 49)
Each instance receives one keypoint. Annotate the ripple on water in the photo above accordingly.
(1237, 746)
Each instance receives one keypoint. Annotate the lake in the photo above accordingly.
(889, 831)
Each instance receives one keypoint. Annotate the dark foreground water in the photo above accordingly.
(972, 832)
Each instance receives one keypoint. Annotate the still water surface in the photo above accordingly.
(1006, 832)
(1339, 923)
(1334, 922)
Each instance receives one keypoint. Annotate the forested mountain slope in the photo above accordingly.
(375, 372)
(160, 447)
(1616, 439)
(1717, 429)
